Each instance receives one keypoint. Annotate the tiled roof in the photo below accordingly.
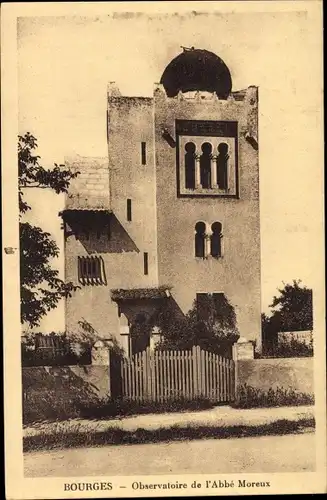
(140, 293)
(76, 211)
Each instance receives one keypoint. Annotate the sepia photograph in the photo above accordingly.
(167, 256)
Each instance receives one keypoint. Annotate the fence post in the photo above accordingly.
(242, 349)
(101, 356)
(149, 372)
(195, 375)
(196, 359)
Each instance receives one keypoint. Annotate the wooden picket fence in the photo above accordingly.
(160, 376)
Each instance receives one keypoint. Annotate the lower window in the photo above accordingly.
(91, 271)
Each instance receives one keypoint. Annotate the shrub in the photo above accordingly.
(121, 407)
(49, 405)
(57, 350)
(251, 397)
(48, 394)
(210, 323)
(292, 348)
(61, 348)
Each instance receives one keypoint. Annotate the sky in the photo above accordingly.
(65, 64)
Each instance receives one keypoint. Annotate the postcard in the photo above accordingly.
(163, 249)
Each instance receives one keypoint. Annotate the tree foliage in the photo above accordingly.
(41, 288)
(291, 310)
(209, 324)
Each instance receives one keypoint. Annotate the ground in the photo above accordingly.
(219, 416)
(289, 453)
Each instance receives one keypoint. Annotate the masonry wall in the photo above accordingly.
(237, 274)
(62, 391)
(91, 187)
(130, 122)
(305, 337)
(287, 373)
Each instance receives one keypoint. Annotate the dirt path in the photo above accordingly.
(291, 453)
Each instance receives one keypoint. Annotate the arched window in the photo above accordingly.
(200, 231)
(216, 238)
(190, 165)
(222, 165)
(205, 165)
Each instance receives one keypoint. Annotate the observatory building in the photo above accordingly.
(172, 213)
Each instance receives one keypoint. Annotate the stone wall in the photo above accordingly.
(90, 189)
(296, 374)
(52, 392)
(304, 337)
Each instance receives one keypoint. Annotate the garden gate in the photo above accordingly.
(160, 376)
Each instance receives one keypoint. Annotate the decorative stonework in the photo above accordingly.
(221, 169)
(243, 349)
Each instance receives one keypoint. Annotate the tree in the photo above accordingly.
(40, 285)
(292, 308)
(211, 324)
(291, 311)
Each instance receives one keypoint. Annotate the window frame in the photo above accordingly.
(91, 270)
(215, 132)
(145, 263)
(200, 235)
(220, 236)
(129, 216)
(143, 153)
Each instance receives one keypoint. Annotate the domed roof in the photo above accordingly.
(197, 69)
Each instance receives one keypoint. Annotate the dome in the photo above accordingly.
(197, 69)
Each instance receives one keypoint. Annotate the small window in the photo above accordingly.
(190, 165)
(216, 238)
(222, 166)
(129, 210)
(200, 233)
(146, 263)
(205, 165)
(143, 153)
(91, 271)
